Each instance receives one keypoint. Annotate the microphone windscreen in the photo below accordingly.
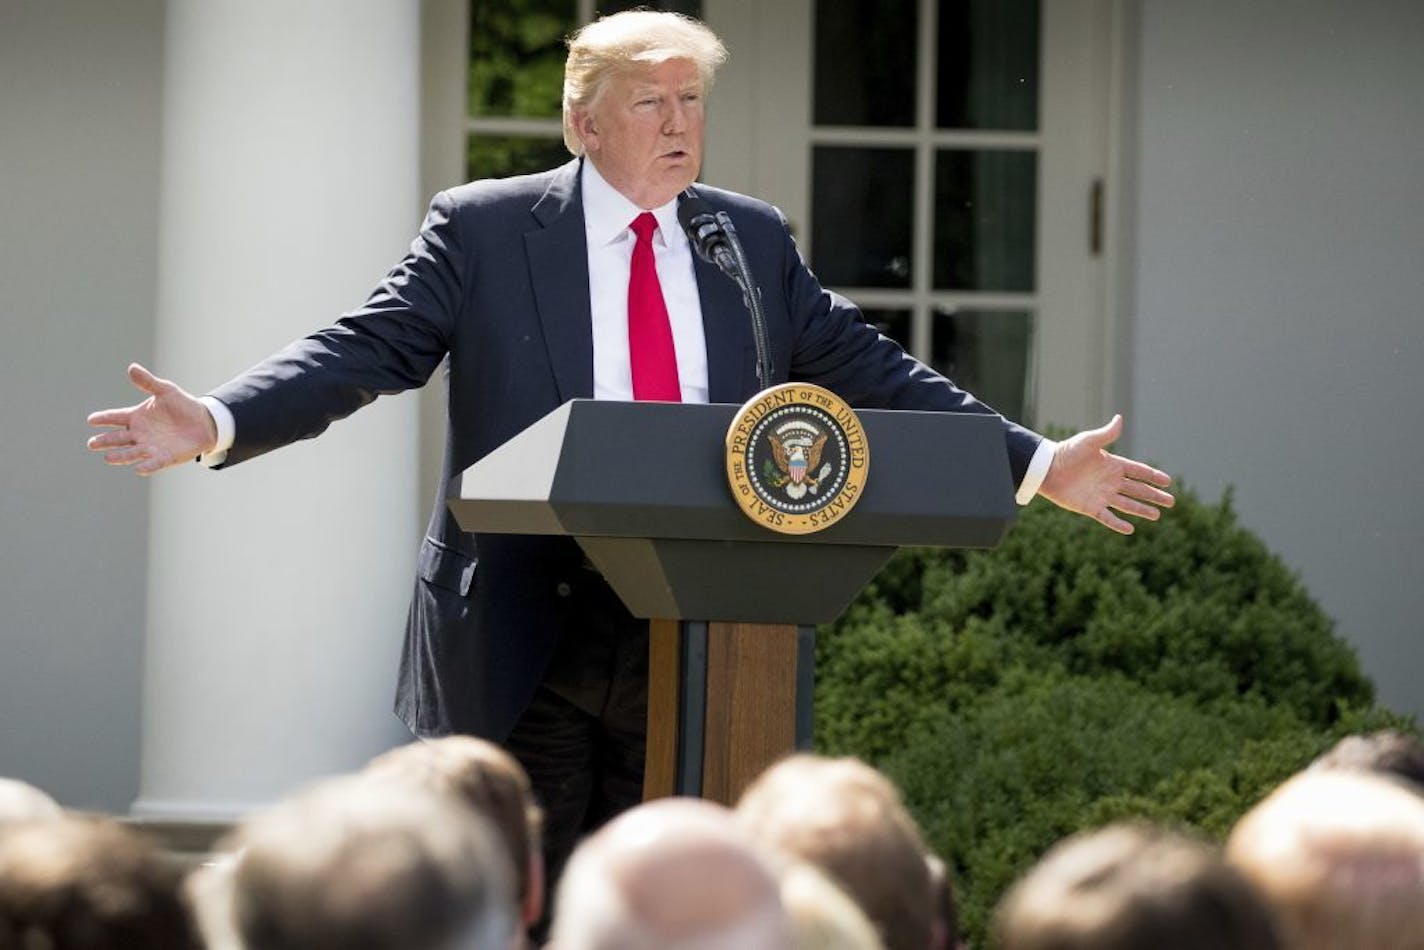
(689, 208)
(701, 227)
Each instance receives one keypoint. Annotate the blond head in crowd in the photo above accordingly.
(358, 865)
(21, 801)
(88, 883)
(490, 781)
(846, 818)
(1340, 855)
(674, 874)
(1132, 887)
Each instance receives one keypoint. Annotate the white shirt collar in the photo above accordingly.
(607, 212)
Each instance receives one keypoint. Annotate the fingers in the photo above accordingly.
(1130, 506)
(1105, 435)
(141, 457)
(1145, 492)
(112, 439)
(1112, 522)
(125, 455)
(112, 417)
(1144, 473)
(146, 381)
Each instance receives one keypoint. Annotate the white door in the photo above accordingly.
(945, 164)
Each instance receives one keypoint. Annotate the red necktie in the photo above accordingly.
(650, 349)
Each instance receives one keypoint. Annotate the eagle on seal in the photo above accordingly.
(795, 457)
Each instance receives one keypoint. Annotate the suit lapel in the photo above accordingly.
(558, 267)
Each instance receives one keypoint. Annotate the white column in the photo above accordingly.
(277, 589)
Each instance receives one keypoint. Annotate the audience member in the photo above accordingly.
(21, 801)
(88, 883)
(822, 915)
(357, 865)
(1387, 751)
(673, 874)
(489, 780)
(846, 818)
(1340, 855)
(1133, 887)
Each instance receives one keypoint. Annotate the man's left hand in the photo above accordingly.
(1086, 478)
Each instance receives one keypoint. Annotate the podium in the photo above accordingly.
(731, 604)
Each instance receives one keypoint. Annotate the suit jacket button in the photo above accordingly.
(563, 589)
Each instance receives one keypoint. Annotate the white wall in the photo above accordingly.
(80, 102)
(1278, 342)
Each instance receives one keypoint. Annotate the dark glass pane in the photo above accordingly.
(692, 8)
(517, 56)
(861, 227)
(865, 62)
(892, 323)
(987, 353)
(499, 156)
(988, 65)
(985, 220)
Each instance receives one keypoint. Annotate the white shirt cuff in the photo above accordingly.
(1037, 469)
(227, 432)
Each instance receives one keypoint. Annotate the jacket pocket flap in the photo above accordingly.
(445, 567)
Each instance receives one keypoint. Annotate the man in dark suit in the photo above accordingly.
(540, 289)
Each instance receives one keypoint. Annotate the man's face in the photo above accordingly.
(644, 131)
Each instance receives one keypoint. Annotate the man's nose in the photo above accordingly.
(675, 120)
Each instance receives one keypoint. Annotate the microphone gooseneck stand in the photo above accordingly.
(715, 240)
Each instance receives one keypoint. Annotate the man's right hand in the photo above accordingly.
(171, 427)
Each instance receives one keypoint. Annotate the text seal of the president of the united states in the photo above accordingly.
(796, 458)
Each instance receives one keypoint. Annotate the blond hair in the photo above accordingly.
(483, 776)
(1340, 856)
(849, 820)
(624, 41)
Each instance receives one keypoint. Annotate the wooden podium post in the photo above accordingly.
(754, 693)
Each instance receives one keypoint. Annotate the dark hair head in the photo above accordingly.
(88, 883)
(1133, 887)
(1387, 751)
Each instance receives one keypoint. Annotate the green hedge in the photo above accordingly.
(1074, 676)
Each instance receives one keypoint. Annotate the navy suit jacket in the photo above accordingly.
(497, 281)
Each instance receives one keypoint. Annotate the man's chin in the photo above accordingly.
(674, 179)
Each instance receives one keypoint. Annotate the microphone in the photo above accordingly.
(715, 241)
(708, 233)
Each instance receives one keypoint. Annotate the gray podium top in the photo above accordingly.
(643, 488)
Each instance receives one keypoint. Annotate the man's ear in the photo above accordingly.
(534, 897)
(586, 129)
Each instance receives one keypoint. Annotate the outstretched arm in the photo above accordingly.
(1086, 478)
(171, 427)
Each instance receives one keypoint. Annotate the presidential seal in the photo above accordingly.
(796, 458)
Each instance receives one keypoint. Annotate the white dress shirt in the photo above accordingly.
(607, 215)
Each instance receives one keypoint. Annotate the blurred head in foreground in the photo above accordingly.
(1388, 752)
(21, 801)
(360, 865)
(674, 873)
(847, 819)
(822, 915)
(1340, 855)
(88, 883)
(490, 781)
(1133, 887)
